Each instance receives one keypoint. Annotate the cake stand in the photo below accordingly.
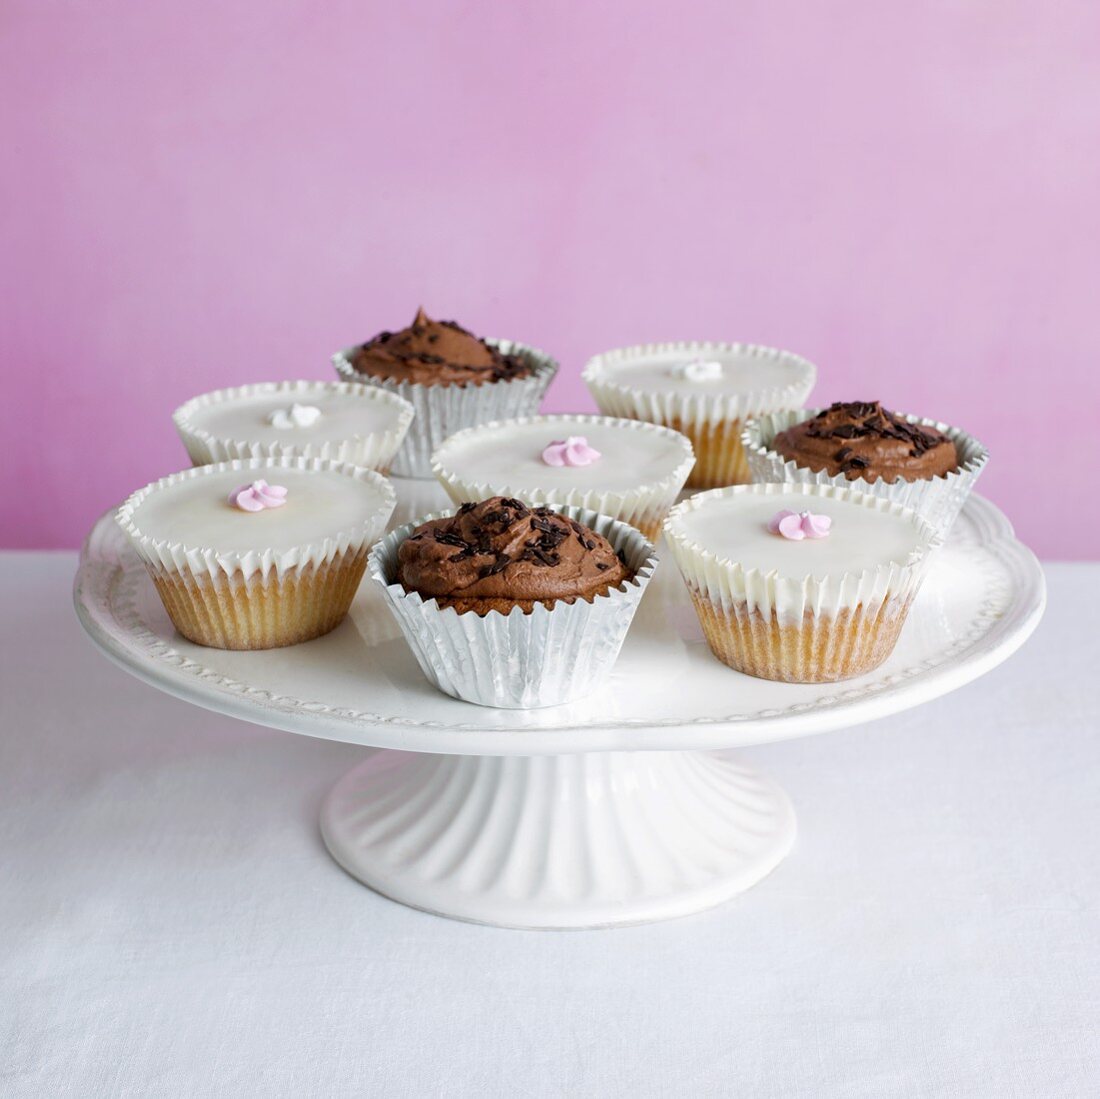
(612, 810)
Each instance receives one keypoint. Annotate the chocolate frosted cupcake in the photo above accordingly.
(436, 353)
(453, 379)
(511, 606)
(861, 439)
(917, 463)
(509, 555)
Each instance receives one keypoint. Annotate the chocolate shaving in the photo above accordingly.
(540, 556)
(482, 540)
(449, 539)
(846, 431)
(551, 535)
(501, 562)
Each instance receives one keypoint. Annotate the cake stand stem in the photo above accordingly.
(568, 841)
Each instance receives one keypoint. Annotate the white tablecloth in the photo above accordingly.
(170, 923)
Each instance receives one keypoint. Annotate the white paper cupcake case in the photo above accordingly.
(200, 560)
(373, 451)
(516, 660)
(441, 410)
(642, 505)
(937, 500)
(688, 408)
(726, 583)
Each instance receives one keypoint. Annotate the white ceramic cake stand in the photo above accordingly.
(613, 810)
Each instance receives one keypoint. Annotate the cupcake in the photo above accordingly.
(512, 606)
(802, 584)
(260, 553)
(705, 390)
(453, 379)
(627, 469)
(340, 421)
(918, 463)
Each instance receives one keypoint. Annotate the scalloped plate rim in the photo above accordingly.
(100, 570)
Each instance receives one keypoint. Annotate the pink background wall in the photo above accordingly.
(198, 195)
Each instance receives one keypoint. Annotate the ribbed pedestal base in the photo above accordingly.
(567, 841)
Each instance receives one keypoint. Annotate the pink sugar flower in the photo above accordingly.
(797, 525)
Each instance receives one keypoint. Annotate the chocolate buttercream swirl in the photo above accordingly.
(501, 552)
(436, 353)
(860, 439)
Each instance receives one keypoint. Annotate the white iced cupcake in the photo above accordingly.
(627, 469)
(916, 462)
(510, 606)
(704, 390)
(803, 584)
(337, 421)
(453, 380)
(261, 553)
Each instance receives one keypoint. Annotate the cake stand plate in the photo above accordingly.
(611, 810)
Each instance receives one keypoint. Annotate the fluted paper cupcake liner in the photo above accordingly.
(820, 650)
(712, 421)
(937, 500)
(374, 450)
(519, 661)
(441, 410)
(261, 612)
(799, 629)
(643, 506)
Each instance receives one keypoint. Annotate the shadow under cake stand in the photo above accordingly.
(612, 810)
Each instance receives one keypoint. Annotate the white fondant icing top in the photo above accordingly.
(735, 528)
(511, 453)
(743, 371)
(195, 511)
(248, 417)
